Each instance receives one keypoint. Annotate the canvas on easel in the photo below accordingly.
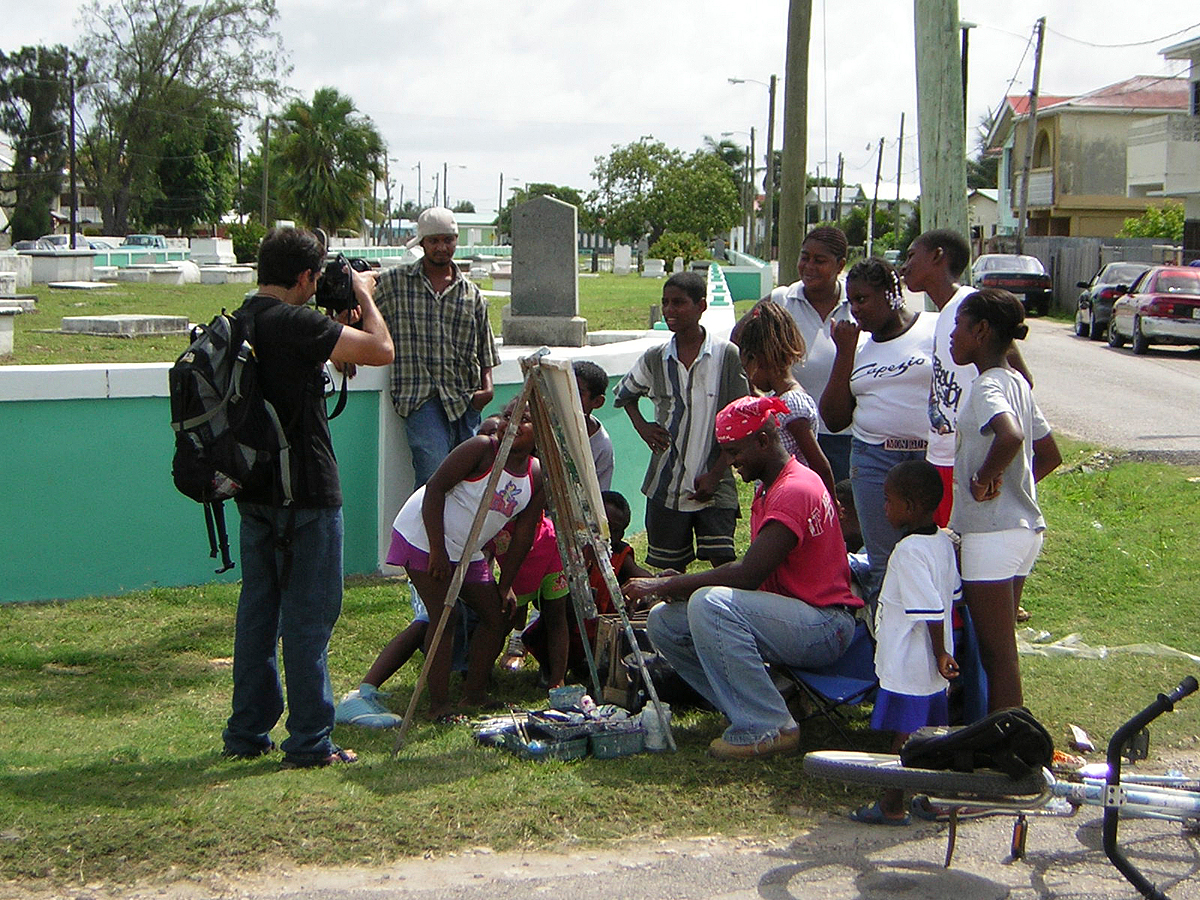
(574, 504)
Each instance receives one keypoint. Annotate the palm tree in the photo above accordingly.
(329, 157)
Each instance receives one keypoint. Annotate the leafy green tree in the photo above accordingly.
(647, 188)
(540, 189)
(1157, 222)
(246, 239)
(196, 178)
(34, 111)
(983, 171)
(623, 202)
(330, 156)
(678, 243)
(697, 195)
(464, 206)
(854, 223)
(156, 66)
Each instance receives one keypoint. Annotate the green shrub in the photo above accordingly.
(678, 243)
(246, 239)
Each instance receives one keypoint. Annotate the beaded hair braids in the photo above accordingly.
(881, 275)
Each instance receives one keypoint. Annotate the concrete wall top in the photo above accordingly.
(125, 380)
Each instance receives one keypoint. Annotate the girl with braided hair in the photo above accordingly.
(770, 344)
(879, 387)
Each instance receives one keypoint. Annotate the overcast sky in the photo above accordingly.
(537, 89)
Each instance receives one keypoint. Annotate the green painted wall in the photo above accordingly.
(89, 506)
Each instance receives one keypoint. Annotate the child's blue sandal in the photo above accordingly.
(873, 814)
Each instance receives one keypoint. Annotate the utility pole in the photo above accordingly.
(375, 198)
(500, 198)
(874, 202)
(436, 185)
(418, 168)
(941, 129)
(74, 182)
(387, 187)
(1030, 134)
(770, 180)
(795, 138)
(266, 161)
(899, 165)
(837, 194)
(445, 185)
(752, 235)
(745, 190)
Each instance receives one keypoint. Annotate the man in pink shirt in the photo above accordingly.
(786, 601)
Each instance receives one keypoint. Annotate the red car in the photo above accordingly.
(1022, 275)
(1162, 307)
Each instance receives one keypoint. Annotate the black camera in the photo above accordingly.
(335, 290)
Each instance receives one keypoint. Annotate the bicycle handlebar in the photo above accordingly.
(1164, 703)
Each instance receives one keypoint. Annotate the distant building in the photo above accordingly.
(983, 214)
(1078, 179)
(1163, 157)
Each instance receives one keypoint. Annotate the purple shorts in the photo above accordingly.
(402, 553)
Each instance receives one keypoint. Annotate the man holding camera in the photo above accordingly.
(292, 556)
(445, 351)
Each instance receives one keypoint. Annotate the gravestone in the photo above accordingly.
(7, 314)
(654, 268)
(677, 265)
(545, 276)
(622, 259)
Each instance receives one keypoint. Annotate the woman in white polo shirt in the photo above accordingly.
(879, 387)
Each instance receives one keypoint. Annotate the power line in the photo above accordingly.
(1156, 40)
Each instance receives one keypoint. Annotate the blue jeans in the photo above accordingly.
(721, 639)
(431, 436)
(836, 448)
(869, 465)
(301, 614)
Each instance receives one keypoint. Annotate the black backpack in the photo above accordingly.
(227, 435)
(1010, 740)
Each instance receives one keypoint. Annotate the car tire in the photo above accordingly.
(1095, 330)
(1138, 340)
(1081, 327)
(1043, 305)
(1114, 339)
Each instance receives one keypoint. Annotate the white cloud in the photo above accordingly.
(538, 88)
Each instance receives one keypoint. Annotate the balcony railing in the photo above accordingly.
(1165, 128)
(1041, 188)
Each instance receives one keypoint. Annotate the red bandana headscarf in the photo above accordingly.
(746, 415)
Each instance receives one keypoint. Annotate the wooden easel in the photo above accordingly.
(574, 504)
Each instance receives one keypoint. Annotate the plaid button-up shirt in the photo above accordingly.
(442, 340)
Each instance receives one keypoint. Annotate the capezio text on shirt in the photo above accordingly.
(892, 370)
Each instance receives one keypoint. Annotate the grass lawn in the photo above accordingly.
(608, 302)
(113, 709)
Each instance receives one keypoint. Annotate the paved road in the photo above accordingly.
(1146, 404)
(835, 860)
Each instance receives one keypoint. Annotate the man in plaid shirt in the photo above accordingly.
(445, 351)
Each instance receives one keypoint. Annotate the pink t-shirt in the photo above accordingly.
(816, 570)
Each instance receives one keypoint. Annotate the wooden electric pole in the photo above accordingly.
(899, 169)
(769, 187)
(1030, 134)
(837, 195)
(941, 129)
(874, 202)
(795, 138)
